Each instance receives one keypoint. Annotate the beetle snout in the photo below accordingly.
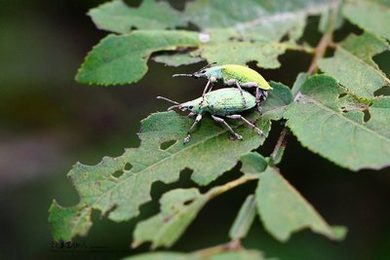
(180, 107)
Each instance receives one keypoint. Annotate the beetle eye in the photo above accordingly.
(190, 107)
(203, 71)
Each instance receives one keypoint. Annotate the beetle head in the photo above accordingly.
(202, 73)
(192, 106)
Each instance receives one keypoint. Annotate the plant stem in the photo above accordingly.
(325, 42)
(277, 153)
(230, 185)
(320, 50)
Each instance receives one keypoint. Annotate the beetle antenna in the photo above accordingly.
(172, 107)
(169, 100)
(182, 75)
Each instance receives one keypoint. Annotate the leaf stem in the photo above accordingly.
(277, 153)
(214, 192)
(320, 50)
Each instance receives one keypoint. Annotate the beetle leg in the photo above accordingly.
(246, 121)
(206, 89)
(197, 120)
(191, 114)
(241, 93)
(229, 128)
(232, 82)
(261, 95)
(258, 97)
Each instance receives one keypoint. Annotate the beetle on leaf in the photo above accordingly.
(225, 102)
(233, 75)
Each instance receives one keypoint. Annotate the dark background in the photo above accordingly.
(48, 122)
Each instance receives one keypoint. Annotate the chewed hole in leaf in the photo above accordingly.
(167, 144)
(381, 60)
(134, 3)
(342, 95)
(128, 167)
(383, 91)
(107, 213)
(117, 174)
(187, 202)
(285, 37)
(367, 115)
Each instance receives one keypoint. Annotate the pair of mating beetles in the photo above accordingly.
(225, 102)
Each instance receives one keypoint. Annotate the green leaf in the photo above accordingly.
(251, 30)
(284, 211)
(123, 59)
(242, 254)
(178, 208)
(365, 46)
(177, 59)
(278, 100)
(116, 16)
(322, 125)
(230, 52)
(353, 67)
(369, 15)
(119, 198)
(301, 78)
(253, 163)
(68, 221)
(244, 219)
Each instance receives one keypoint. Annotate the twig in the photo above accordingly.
(277, 153)
(325, 42)
(321, 48)
(230, 185)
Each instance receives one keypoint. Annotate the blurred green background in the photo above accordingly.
(48, 122)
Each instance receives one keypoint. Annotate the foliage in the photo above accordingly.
(339, 115)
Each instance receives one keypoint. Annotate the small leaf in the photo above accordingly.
(69, 221)
(178, 208)
(353, 67)
(284, 211)
(120, 198)
(177, 59)
(116, 16)
(253, 163)
(301, 78)
(122, 59)
(369, 15)
(242, 254)
(343, 137)
(244, 219)
(277, 101)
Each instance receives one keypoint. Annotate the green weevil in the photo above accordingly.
(233, 75)
(225, 102)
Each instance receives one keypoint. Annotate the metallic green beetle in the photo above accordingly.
(225, 102)
(233, 75)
